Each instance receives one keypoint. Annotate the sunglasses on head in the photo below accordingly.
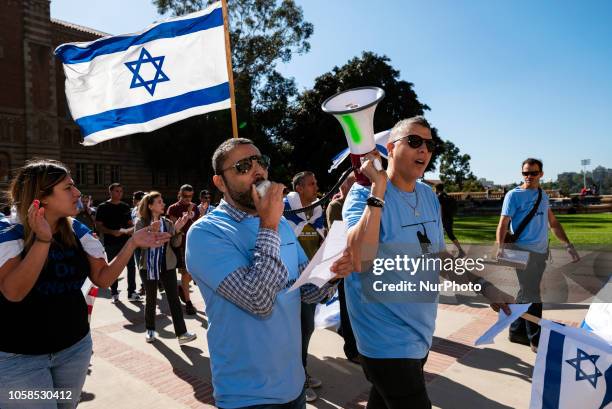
(531, 173)
(245, 165)
(415, 142)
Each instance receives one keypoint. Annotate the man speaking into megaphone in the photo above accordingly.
(399, 213)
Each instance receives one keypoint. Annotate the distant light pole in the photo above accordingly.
(584, 163)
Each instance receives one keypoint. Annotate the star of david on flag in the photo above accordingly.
(135, 67)
(573, 369)
(140, 82)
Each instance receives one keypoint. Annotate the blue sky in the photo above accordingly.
(504, 79)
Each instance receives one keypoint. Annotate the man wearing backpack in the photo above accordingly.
(527, 212)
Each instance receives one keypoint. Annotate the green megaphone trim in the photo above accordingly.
(352, 127)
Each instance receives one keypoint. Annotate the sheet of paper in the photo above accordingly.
(503, 321)
(317, 271)
(514, 258)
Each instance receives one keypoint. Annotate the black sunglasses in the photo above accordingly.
(531, 173)
(415, 142)
(244, 165)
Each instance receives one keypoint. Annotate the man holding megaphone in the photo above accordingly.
(397, 216)
(244, 256)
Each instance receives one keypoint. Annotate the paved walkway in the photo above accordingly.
(126, 372)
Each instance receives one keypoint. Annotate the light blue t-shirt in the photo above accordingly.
(517, 205)
(396, 329)
(254, 360)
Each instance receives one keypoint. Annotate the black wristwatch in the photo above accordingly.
(375, 202)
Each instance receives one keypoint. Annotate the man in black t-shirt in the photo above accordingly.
(114, 222)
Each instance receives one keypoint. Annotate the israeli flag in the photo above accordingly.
(140, 82)
(380, 139)
(573, 370)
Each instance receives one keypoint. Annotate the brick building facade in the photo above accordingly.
(34, 116)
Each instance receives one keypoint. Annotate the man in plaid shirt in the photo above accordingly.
(244, 257)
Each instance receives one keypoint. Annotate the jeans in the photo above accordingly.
(299, 403)
(397, 383)
(168, 278)
(64, 370)
(111, 252)
(307, 318)
(529, 292)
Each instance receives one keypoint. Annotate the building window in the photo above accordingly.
(115, 174)
(67, 140)
(99, 174)
(81, 174)
(5, 167)
(76, 137)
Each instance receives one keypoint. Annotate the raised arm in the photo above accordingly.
(363, 237)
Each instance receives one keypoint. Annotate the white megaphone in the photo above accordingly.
(354, 109)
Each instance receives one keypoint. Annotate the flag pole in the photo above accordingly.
(531, 318)
(230, 71)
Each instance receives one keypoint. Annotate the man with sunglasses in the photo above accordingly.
(518, 203)
(244, 257)
(183, 206)
(396, 217)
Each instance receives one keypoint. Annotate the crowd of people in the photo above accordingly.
(244, 256)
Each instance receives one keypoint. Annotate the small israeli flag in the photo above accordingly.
(380, 139)
(140, 82)
(573, 370)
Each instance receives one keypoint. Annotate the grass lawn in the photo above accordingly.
(589, 229)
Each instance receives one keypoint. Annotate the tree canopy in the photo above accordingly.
(314, 137)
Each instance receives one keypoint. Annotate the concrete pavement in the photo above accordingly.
(127, 373)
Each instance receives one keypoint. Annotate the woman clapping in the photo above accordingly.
(160, 265)
(45, 257)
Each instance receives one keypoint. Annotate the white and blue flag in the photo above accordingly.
(380, 139)
(127, 84)
(573, 370)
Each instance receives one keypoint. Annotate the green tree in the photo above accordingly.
(455, 169)
(313, 137)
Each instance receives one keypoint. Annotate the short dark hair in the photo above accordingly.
(533, 161)
(186, 188)
(402, 126)
(113, 185)
(222, 150)
(298, 179)
(138, 195)
(204, 192)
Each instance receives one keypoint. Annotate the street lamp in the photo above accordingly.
(584, 163)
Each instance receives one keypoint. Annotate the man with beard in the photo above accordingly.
(244, 257)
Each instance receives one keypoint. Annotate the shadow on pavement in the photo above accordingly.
(197, 367)
(343, 381)
(448, 394)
